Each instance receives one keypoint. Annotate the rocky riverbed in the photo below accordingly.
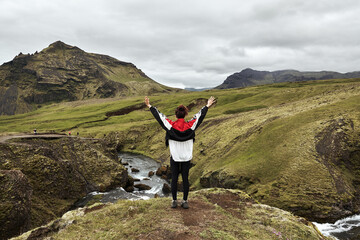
(143, 170)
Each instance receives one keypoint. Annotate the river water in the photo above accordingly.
(344, 229)
(144, 165)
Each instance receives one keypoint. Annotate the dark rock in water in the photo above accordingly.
(146, 178)
(129, 189)
(130, 181)
(135, 170)
(125, 163)
(15, 203)
(151, 173)
(166, 188)
(136, 179)
(142, 186)
(161, 170)
(164, 172)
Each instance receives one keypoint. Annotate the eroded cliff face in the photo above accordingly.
(15, 203)
(42, 178)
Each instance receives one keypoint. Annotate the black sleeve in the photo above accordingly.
(161, 118)
(200, 115)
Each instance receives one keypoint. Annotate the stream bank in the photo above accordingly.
(142, 165)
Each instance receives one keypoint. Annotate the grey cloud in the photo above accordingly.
(191, 43)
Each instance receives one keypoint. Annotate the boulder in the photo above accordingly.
(166, 188)
(164, 171)
(129, 188)
(151, 173)
(135, 170)
(142, 186)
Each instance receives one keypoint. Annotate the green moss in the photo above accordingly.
(244, 109)
(237, 219)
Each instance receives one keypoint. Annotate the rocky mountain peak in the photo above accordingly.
(62, 72)
(60, 45)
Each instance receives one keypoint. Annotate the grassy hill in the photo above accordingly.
(291, 145)
(214, 214)
(62, 72)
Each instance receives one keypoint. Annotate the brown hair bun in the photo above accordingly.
(181, 111)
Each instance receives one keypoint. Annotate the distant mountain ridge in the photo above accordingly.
(62, 72)
(250, 77)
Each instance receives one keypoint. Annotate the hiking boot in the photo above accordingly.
(185, 205)
(174, 204)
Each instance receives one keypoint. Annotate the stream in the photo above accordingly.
(144, 165)
(343, 229)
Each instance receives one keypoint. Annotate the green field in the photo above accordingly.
(265, 140)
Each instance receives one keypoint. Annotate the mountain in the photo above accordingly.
(62, 72)
(197, 89)
(250, 77)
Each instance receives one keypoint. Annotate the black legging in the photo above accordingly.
(176, 168)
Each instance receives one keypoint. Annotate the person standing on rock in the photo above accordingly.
(180, 136)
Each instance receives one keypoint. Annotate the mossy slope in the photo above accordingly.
(300, 153)
(58, 172)
(213, 214)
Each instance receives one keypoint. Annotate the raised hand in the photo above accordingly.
(147, 102)
(211, 101)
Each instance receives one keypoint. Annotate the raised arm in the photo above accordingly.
(199, 117)
(164, 122)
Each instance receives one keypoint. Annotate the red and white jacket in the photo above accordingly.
(180, 134)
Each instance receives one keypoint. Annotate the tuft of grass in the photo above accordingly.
(244, 109)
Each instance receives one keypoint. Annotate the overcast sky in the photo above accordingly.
(194, 43)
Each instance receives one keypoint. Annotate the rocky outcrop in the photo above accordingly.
(338, 147)
(213, 213)
(66, 220)
(15, 203)
(58, 172)
(250, 77)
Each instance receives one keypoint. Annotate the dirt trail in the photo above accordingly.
(200, 215)
(4, 139)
